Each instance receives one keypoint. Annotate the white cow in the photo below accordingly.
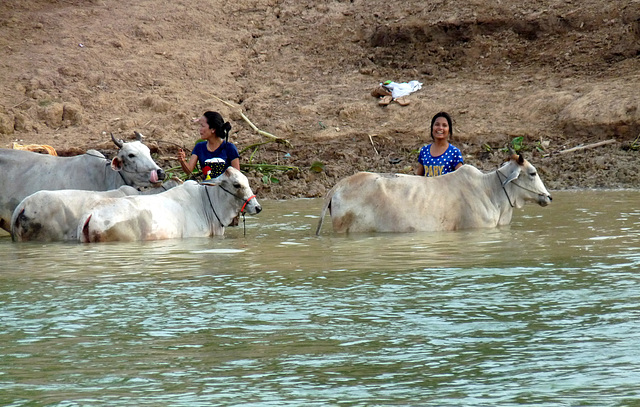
(54, 215)
(463, 199)
(188, 210)
(23, 172)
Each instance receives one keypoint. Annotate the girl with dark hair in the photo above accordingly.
(439, 157)
(215, 154)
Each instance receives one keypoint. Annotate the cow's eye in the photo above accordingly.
(533, 174)
(131, 155)
(236, 185)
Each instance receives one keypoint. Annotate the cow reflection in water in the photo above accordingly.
(463, 199)
(188, 210)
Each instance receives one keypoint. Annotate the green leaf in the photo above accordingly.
(317, 166)
(517, 143)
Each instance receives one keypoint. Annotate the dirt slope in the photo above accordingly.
(559, 74)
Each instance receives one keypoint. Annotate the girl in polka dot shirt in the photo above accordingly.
(439, 157)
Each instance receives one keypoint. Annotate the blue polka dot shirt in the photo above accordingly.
(443, 164)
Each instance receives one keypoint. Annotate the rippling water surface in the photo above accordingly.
(545, 312)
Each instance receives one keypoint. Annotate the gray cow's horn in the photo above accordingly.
(116, 142)
(139, 136)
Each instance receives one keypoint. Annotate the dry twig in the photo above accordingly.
(374, 146)
(253, 126)
(588, 146)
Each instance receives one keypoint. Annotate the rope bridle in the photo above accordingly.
(498, 173)
(244, 205)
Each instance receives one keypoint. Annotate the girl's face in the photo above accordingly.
(440, 129)
(205, 132)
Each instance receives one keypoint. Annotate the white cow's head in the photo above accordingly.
(135, 164)
(525, 182)
(236, 186)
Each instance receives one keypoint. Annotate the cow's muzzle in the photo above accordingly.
(157, 176)
(544, 200)
(257, 207)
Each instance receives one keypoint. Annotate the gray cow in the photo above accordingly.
(22, 173)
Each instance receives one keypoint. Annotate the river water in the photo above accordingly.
(545, 312)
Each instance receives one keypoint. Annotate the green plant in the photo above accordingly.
(518, 144)
(317, 166)
(268, 179)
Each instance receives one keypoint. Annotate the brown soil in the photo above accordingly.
(559, 74)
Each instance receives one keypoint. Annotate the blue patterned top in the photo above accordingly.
(443, 164)
(215, 163)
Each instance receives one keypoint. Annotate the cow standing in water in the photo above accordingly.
(188, 210)
(463, 199)
(25, 172)
(47, 216)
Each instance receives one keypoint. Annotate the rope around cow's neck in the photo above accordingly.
(212, 208)
(503, 188)
(244, 226)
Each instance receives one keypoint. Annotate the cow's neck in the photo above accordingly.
(112, 179)
(218, 207)
(502, 197)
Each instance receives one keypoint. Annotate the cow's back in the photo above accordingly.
(187, 210)
(54, 215)
(25, 172)
(367, 202)
(371, 202)
(171, 214)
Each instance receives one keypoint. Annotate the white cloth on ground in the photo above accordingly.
(402, 89)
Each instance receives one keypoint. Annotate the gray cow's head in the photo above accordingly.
(135, 164)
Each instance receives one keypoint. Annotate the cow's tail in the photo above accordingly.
(325, 206)
(16, 225)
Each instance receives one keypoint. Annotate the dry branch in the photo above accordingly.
(253, 126)
(374, 146)
(588, 146)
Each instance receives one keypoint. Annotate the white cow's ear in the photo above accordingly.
(116, 164)
(512, 175)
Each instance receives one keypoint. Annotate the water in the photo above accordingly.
(545, 313)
